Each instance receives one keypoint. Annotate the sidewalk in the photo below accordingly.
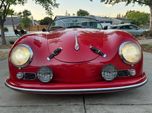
(145, 41)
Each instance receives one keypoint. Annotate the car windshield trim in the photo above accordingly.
(63, 23)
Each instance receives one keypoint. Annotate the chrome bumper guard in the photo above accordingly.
(76, 91)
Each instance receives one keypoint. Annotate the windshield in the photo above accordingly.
(76, 22)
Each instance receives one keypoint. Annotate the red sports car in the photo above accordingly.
(76, 56)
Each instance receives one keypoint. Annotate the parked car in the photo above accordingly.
(76, 56)
(133, 29)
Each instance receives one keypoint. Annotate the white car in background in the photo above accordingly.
(130, 28)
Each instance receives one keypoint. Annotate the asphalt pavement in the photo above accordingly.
(133, 101)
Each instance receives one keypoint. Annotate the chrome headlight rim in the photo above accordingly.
(29, 59)
(121, 54)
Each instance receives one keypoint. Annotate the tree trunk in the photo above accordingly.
(2, 33)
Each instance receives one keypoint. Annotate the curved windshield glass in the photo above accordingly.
(76, 22)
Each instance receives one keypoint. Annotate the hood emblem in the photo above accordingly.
(76, 43)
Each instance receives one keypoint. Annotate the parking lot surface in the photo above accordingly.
(133, 101)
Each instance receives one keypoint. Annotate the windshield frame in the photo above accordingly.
(61, 18)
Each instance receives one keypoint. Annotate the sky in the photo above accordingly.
(72, 6)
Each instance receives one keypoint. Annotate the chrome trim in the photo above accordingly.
(105, 55)
(48, 58)
(19, 75)
(121, 55)
(75, 91)
(76, 43)
(30, 58)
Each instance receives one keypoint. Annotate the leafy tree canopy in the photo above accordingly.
(138, 18)
(25, 21)
(46, 21)
(48, 5)
(5, 6)
(142, 2)
(24, 14)
(82, 13)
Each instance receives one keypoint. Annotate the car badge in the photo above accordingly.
(76, 43)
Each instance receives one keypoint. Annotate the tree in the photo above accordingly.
(26, 13)
(47, 5)
(46, 21)
(25, 21)
(119, 16)
(140, 2)
(82, 13)
(138, 18)
(4, 9)
(66, 13)
(6, 4)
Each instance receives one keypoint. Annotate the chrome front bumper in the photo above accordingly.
(76, 91)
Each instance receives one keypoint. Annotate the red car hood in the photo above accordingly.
(67, 40)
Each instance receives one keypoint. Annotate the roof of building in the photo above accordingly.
(9, 21)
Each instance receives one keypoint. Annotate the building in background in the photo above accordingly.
(9, 23)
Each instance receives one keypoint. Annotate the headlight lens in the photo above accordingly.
(21, 55)
(130, 52)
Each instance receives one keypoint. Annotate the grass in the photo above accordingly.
(147, 47)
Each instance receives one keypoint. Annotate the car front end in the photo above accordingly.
(76, 60)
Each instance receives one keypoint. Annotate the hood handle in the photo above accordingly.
(97, 51)
(54, 53)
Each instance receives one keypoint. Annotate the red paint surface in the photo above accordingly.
(76, 69)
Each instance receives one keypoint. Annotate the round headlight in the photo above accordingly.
(21, 55)
(130, 52)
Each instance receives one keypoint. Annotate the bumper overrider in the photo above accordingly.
(79, 88)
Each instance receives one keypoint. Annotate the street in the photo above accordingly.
(133, 101)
